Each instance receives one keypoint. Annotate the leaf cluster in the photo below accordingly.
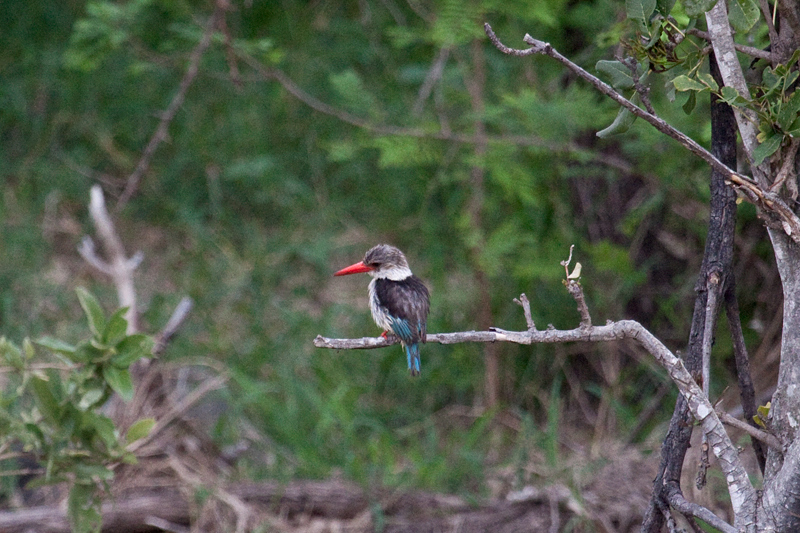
(51, 411)
(776, 103)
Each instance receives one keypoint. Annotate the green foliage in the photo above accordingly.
(743, 14)
(776, 103)
(105, 30)
(258, 197)
(51, 408)
(697, 8)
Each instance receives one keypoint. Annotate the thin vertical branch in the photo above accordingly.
(747, 392)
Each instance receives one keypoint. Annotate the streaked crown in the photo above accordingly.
(385, 256)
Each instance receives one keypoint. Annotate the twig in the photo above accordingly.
(174, 323)
(576, 291)
(743, 374)
(526, 310)
(747, 50)
(295, 90)
(787, 171)
(178, 410)
(161, 134)
(119, 267)
(763, 436)
(442, 135)
(767, 200)
(768, 17)
(433, 76)
(689, 509)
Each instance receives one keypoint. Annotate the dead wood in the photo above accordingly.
(293, 506)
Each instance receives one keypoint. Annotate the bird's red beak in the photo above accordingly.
(354, 269)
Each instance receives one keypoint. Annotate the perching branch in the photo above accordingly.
(739, 487)
(738, 482)
(769, 202)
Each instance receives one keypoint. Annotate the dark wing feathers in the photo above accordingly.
(407, 300)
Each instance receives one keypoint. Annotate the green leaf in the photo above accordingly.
(117, 327)
(708, 80)
(788, 112)
(139, 429)
(27, 349)
(767, 148)
(729, 94)
(743, 14)
(665, 6)
(90, 472)
(685, 83)
(94, 313)
(690, 104)
(696, 8)
(102, 427)
(131, 349)
(794, 129)
(619, 74)
(89, 399)
(119, 379)
(56, 345)
(640, 9)
(11, 353)
(769, 79)
(621, 124)
(83, 508)
(46, 400)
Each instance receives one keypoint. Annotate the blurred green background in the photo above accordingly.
(483, 168)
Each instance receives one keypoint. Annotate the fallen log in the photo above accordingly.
(344, 505)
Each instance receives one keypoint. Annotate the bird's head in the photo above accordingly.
(381, 261)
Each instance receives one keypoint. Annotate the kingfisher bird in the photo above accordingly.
(398, 299)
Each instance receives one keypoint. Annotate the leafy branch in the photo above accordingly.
(51, 411)
(770, 203)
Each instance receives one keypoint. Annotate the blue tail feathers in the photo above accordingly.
(412, 354)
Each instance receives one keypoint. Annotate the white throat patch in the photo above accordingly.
(394, 273)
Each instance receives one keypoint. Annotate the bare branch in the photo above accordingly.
(747, 50)
(739, 486)
(526, 310)
(118, 266)
(689, 509)
(721, 39)
(161, 134)
(178, 410)
(767, 438)
(787, 170)
(433, 76)
(174, 323)
(321, 107)
(743, 374)
(766, 200)
(576, 291)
